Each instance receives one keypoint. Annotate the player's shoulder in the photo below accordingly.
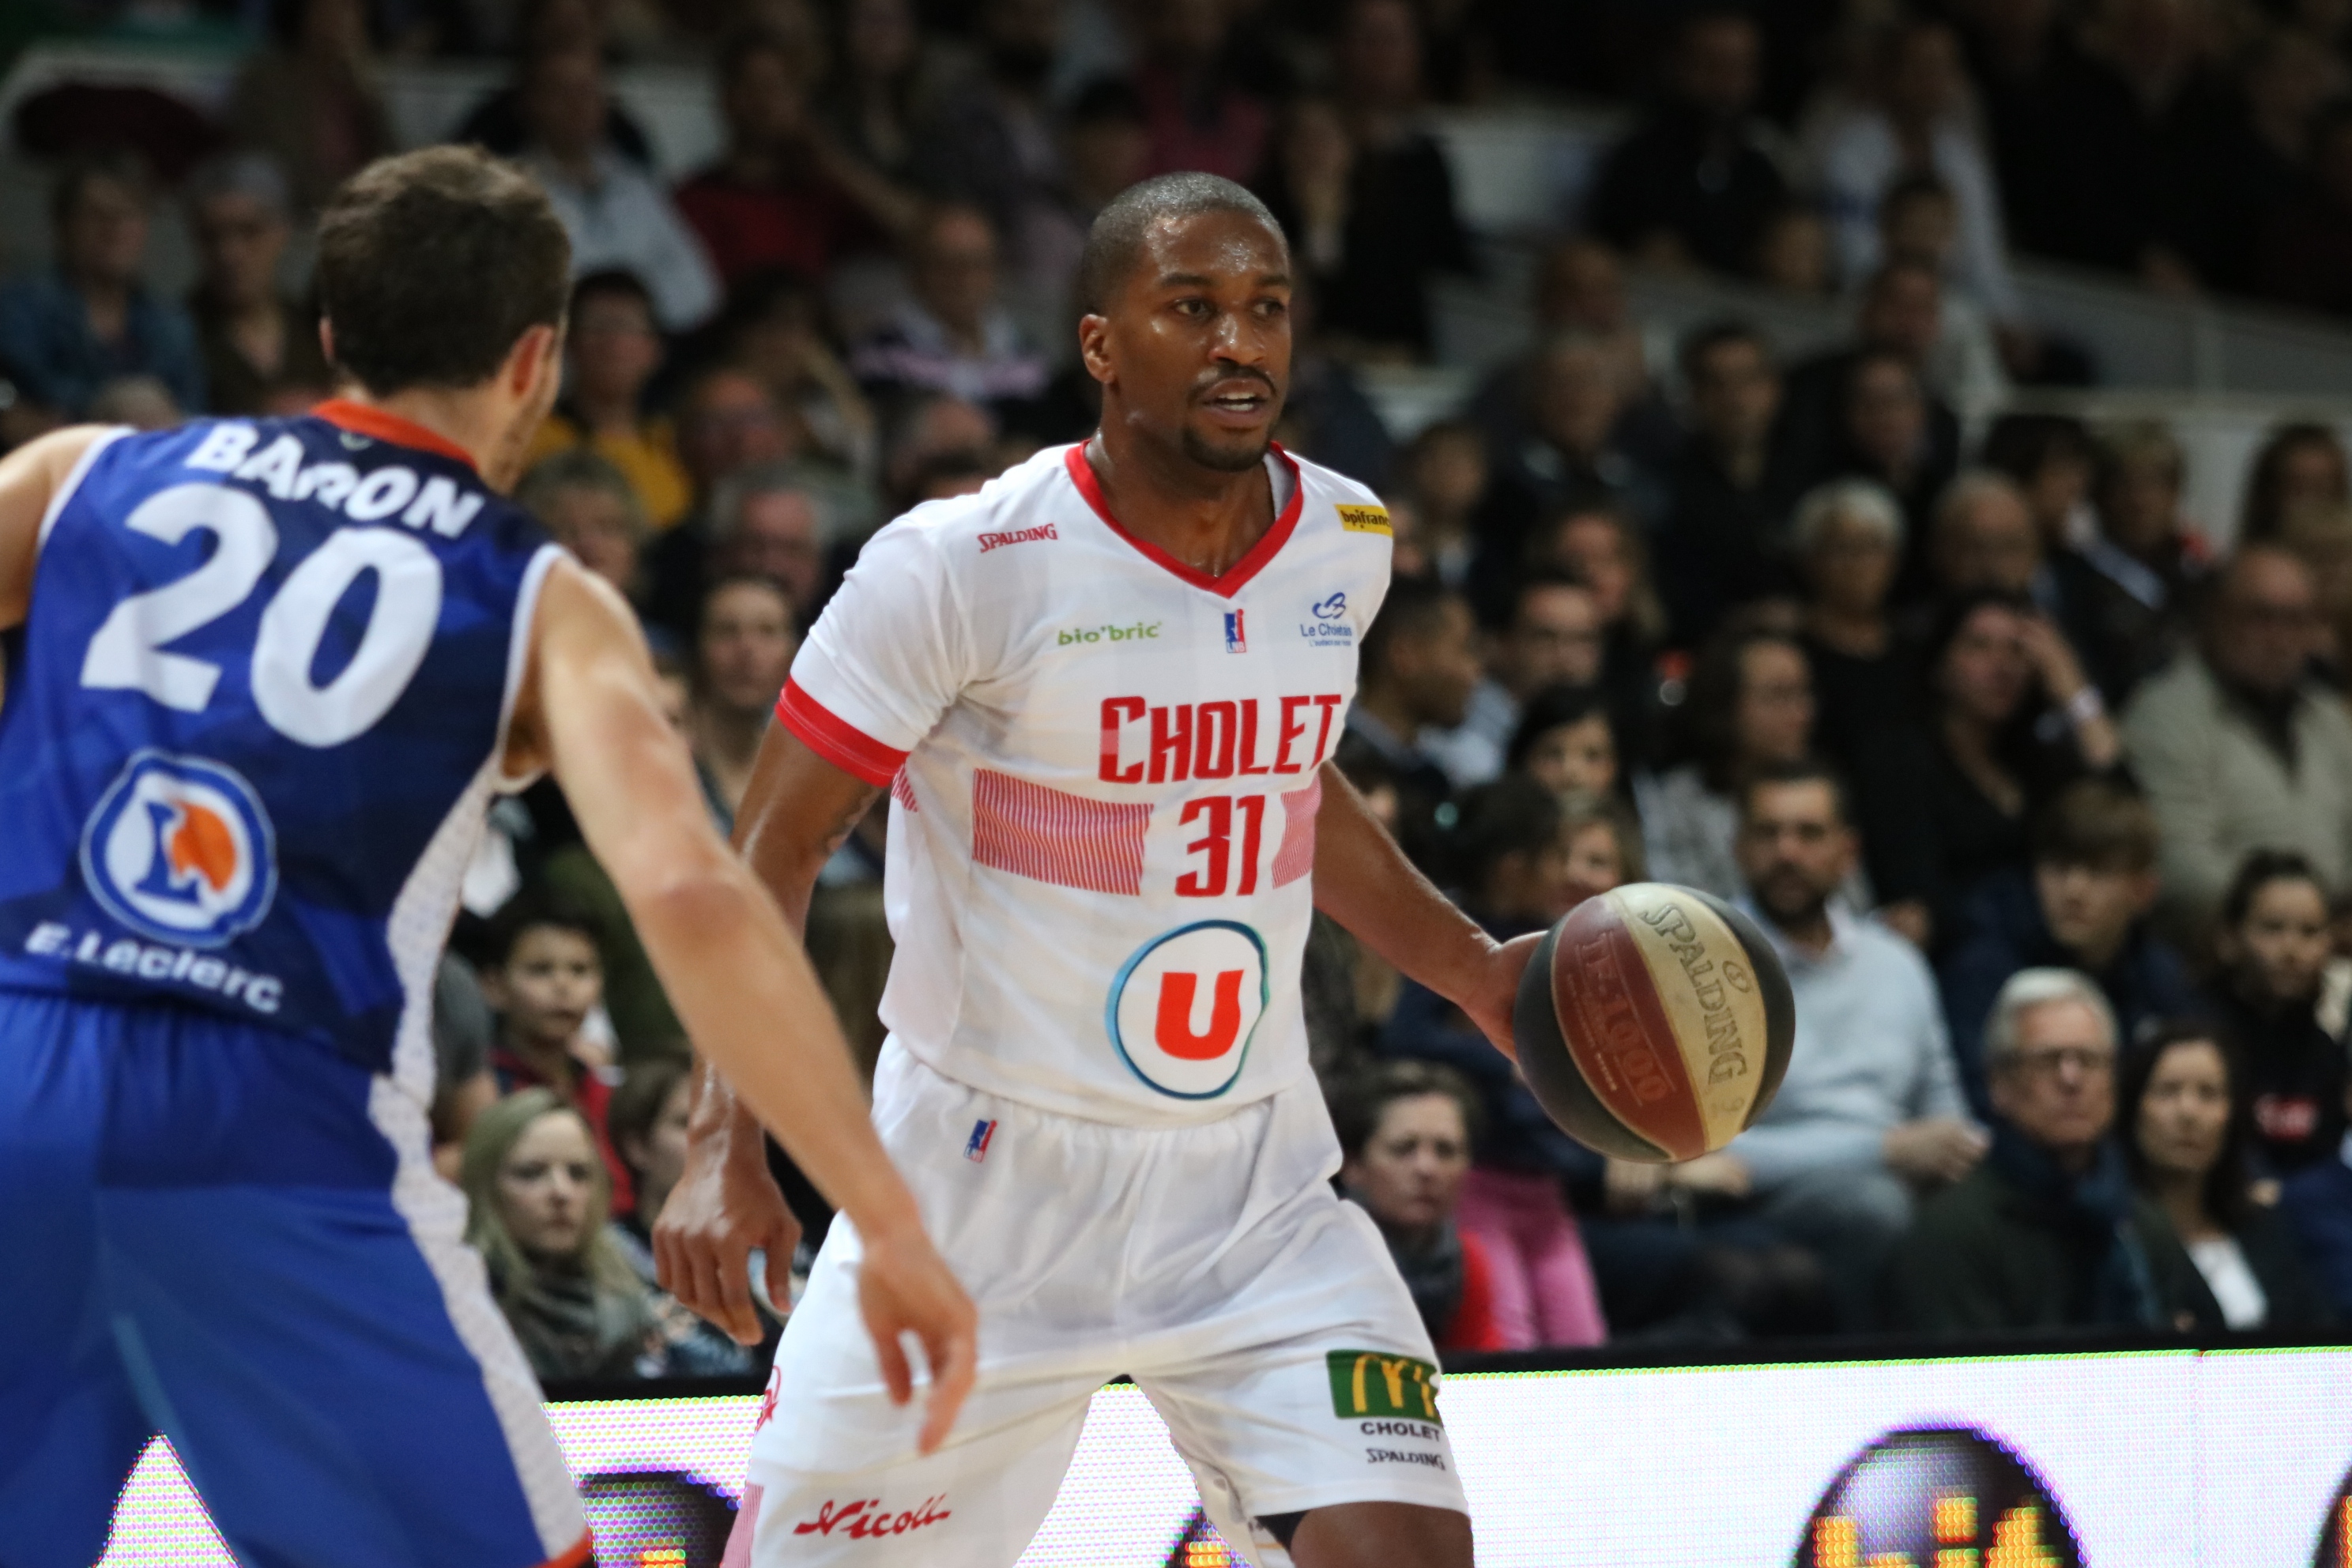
(1028, 503)
(1330, 500)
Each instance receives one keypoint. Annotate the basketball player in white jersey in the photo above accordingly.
(1104, 693)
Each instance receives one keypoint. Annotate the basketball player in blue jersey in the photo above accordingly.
(263, 677)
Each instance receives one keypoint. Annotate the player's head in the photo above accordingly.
(1186, 285)
(544, 972)
(446, 270)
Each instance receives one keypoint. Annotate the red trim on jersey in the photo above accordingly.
(365, 419)
(1051, 836)
(835, 739)
(1237, 575)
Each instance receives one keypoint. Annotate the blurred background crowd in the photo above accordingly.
(1793, 499)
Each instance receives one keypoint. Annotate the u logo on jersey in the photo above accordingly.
(181, 850)
(1183, 1008)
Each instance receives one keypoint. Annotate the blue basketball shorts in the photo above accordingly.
(237, 1239)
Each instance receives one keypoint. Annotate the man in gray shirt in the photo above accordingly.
(1871, 1110)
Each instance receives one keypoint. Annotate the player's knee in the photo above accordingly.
(1376, 1535)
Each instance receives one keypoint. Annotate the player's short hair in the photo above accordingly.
(539, 909)
(1359, 1100)
(432, 264)
(1119, 229)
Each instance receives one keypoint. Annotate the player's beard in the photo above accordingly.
(1235, 459)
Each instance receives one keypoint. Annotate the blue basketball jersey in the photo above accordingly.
(263, 693)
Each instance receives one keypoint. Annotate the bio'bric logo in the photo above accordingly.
(1921, 1497)
(1137, 631)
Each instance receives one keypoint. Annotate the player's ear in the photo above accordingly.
(537, 354)
(326, 339)
(1094, 346)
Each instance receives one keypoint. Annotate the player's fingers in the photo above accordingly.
(896, 1376)
(730, 1287)
(780, 1274)
(954, 1363)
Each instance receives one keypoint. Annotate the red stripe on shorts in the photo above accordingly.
(1296, 857)
(1048, 835)
(902, 790)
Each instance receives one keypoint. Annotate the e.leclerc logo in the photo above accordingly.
(1182, 1009)
(180, 850)
(1329, 627)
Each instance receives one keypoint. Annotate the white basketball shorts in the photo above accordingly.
(1258, 1311)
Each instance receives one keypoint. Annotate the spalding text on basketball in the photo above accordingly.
(1728, 1061)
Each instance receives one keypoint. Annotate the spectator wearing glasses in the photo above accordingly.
(2028, 1241)
(2239, 746)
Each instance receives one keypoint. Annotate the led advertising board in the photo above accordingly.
(2145, 1459)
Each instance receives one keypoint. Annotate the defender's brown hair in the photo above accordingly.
(432, 264)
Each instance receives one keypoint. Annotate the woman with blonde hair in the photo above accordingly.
(539, 1197)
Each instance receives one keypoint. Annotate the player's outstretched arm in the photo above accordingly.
(29, 476)
(741, 985)
(1364, 881)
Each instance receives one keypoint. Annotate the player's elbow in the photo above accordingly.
(685, 895)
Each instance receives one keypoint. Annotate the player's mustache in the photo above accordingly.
(1235, 372)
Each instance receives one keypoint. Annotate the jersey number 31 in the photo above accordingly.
(128, 652)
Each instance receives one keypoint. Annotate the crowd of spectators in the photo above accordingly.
(2040, 788)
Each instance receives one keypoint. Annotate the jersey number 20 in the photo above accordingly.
(129, 651)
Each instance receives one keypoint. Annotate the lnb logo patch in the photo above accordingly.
(1937, 1497)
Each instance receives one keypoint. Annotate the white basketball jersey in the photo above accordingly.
(1103, 768)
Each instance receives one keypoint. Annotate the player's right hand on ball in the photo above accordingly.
(904, 1287)
(725, 1205)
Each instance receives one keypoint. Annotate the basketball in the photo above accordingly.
(1655, 1023)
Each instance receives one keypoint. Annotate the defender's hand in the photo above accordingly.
(1496, 991)
(724, 1206)
(904, 1287)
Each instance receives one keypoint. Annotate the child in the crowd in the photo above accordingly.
(2274, 943)
(1404, 1131)
(1566, 741)
(544, 978)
